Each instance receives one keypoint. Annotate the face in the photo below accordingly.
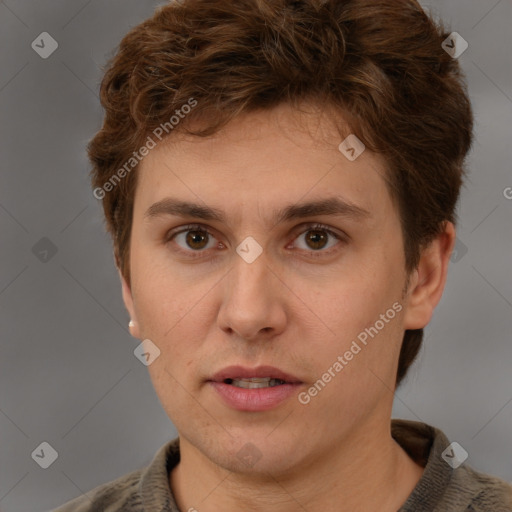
(250, 287)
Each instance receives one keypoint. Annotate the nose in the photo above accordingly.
(253, 298)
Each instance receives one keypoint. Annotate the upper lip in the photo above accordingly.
(241, 372)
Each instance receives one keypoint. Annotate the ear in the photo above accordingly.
(428, 280)
(128, 302)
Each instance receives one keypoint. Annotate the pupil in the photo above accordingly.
(193, 239)
(317, 238)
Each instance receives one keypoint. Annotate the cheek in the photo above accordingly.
(355, 301)
(163, 297)
(363, 307)
(177, 315)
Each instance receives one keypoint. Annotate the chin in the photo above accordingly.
(253, 454)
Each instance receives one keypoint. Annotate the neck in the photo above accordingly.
(368, 471)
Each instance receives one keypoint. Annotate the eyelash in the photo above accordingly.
(310, 227)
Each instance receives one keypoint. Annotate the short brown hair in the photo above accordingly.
(379, 61)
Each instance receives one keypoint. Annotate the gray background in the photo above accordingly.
(68, 375)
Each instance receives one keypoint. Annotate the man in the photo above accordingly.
(280, 181)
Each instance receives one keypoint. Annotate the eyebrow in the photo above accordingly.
(329, 206)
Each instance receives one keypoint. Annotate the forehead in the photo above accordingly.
(264, 159)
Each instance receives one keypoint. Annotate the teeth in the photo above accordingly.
(255, 382)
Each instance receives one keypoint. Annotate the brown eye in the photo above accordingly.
(316, 239)
(192, 239)
(196, 239)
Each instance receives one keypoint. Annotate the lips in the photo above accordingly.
(241, 372)
(246, 396)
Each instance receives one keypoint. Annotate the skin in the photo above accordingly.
(288, 309)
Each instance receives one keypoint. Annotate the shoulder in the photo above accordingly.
(489, 492)
(119, 494)
(141, 490)
(446, 486)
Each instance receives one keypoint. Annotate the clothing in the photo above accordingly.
(440, 489)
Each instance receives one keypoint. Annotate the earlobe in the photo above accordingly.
(128, 302)
(427, 286)
(134, 329)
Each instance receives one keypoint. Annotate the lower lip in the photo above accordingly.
(260, 399)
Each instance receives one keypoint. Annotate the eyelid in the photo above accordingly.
(183, 229)
(310, 226)
(298, 230)
(342, 237)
